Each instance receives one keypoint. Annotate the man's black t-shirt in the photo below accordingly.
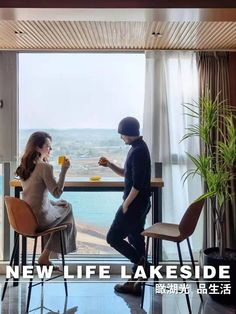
(138, 170)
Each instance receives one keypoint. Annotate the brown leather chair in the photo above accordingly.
(24, 223)
(176, 233)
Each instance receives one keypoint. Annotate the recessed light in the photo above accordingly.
(19, 33)
(156, 34)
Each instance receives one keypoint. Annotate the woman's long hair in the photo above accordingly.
(30, 157)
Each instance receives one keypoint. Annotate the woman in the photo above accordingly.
(37, 179)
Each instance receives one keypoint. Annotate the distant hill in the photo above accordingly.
(83, 147)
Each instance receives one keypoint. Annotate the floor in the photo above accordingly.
(99, 297)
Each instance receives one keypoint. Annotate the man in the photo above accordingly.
(130, 217)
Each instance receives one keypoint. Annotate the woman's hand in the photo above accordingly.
(66, 163)
(62, 203)
(103, 161)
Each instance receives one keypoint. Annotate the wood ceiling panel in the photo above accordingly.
(108, 35)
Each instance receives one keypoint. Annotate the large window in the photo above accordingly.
(79, 99)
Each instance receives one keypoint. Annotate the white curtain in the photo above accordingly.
(172, 80)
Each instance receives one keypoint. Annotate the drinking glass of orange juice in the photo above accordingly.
(61, 160)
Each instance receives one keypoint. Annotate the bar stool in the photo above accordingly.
(175, 233)
(24, 223)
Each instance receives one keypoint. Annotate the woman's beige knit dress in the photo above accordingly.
(49, 213)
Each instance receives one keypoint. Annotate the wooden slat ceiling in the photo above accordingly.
(105, 35)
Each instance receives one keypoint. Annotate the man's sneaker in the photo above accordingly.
(138, 285)
(147, 266)
(129, 287)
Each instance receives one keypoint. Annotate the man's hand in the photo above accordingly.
(125, 207)
(103, 162)
(132, 195)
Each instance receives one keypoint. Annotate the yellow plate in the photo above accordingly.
(95, 178)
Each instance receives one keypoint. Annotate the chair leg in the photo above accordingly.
(193, 265)
(42, 248)
(143, 284)
(31, 280)
(63, 259)
(181, 264)
(16, 260)
(11, 263)
(158, 256)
